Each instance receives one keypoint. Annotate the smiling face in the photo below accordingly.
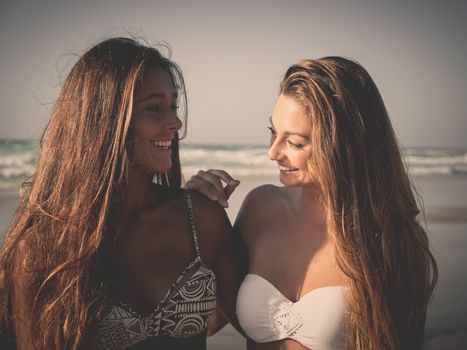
(154, 123)
(290, 141)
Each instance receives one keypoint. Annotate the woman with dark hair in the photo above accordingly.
(336, 258)
(98, 255)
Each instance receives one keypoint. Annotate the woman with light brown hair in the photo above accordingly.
(98, 256)
(336, 258)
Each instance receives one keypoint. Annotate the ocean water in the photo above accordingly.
(17, 161)
(440, 176)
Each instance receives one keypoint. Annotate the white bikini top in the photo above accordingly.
(316, 320)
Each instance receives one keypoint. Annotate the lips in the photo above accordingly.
(162, 144)
(286, 169)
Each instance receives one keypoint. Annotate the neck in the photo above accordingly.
(138, 189)
(310, 198)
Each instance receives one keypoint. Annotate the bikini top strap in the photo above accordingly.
(192, 223)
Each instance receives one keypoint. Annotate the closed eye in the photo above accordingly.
(295, 145)
(273, 132)
(174, 107)
(153, 108)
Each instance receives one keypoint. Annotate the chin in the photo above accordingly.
(293, 181)
(289, 181)
(161, 168)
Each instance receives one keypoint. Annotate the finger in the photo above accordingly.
(231, 183)
(225, 176)
(229, 189)
(203, 187)
(214, 180)
(207, 189)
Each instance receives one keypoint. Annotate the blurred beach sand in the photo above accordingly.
(445, 204)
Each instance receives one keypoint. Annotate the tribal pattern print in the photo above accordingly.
(186, 314)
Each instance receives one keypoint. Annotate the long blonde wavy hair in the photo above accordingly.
(66, 210)
(369, 202)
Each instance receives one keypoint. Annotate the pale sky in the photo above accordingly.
(233, 54)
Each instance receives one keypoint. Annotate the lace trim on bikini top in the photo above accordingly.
(181, 313)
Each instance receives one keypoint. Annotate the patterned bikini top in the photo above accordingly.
(183, 312)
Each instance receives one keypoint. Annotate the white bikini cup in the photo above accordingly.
(316, 320)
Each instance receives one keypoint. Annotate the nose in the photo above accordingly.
(274, 152)
(173, 122)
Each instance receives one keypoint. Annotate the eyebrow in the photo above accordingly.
(291, 132)
(157, 95)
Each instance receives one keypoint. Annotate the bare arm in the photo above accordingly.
(226, 267)
(217, 246)
(22, 299)
(235, 256)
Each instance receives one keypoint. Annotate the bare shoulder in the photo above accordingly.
(212, 225)
(209, 215)
(263, 199)
(264, 192)
(206, 208)
(259, 205)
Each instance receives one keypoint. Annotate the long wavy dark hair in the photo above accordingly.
(66, 207)
(369, 201)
